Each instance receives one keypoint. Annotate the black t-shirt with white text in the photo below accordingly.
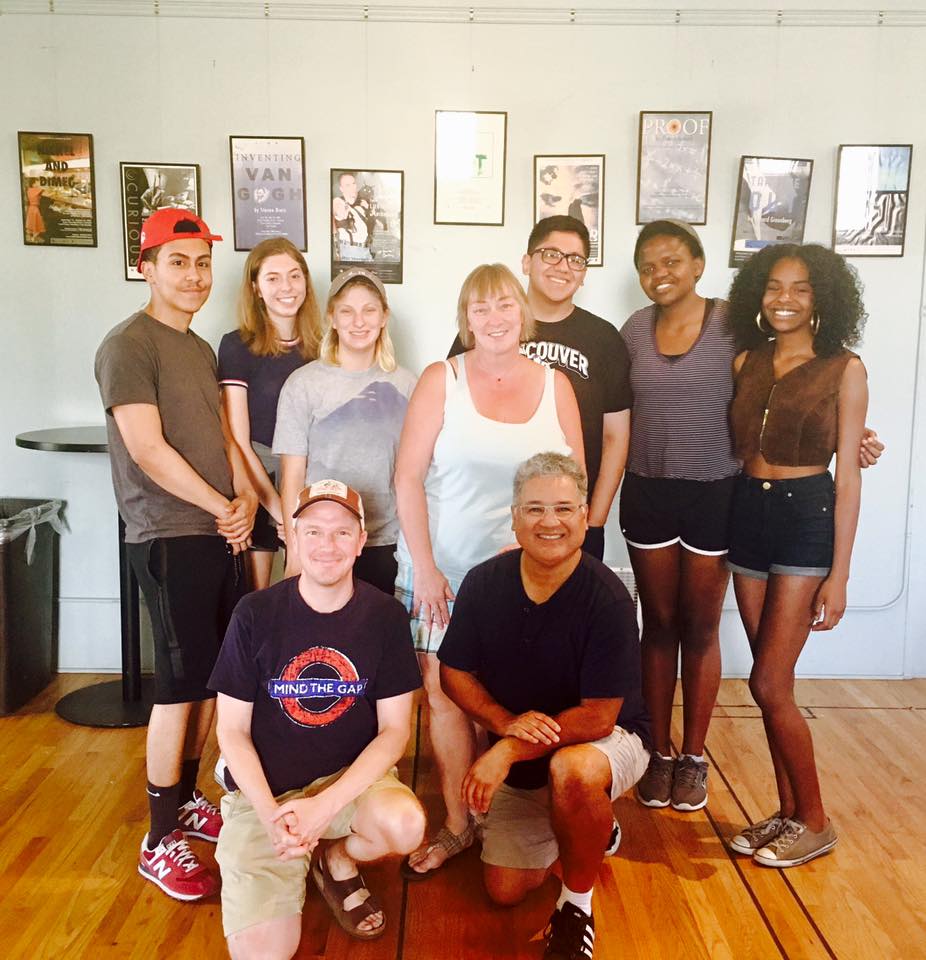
(582, 643)
(314, 678)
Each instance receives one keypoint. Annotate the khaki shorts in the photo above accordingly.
(256, 884)
(517, 831)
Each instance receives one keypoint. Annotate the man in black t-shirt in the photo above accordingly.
(543, 651)
(588, 349)
(315, 682)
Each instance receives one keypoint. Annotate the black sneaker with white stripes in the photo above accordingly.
(614, 841)
(570, 934)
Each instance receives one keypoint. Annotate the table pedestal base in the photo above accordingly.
(101, 705)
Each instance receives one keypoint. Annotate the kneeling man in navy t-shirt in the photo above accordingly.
(543, 651)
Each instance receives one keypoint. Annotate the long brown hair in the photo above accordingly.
(254, 324)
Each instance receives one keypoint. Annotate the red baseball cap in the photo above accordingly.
(335, 491)
(172, 223)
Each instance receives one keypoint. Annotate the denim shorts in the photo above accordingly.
(782, 526)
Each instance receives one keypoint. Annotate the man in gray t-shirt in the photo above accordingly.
(188, 509)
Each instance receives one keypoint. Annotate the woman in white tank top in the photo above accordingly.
(470, 422)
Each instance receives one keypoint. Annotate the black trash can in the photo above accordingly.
(29, 534)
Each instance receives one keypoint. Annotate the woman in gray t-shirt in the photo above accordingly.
(341, 416)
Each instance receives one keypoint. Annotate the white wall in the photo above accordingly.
(363, 95)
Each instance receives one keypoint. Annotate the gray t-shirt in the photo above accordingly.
(348, 422)
(145, 361)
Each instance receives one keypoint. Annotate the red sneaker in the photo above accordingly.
(200, 819)
(173, 867)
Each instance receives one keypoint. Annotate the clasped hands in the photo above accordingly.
(237, 522)
(295, 827)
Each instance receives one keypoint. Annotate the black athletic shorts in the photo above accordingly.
(191, 586)
(264, 536)
(659, 512)
(378, 565)
(782, 526)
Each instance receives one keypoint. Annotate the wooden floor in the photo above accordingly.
(73, 811)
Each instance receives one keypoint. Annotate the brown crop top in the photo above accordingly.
(792, 422)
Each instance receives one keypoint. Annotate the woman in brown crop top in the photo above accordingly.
(800, 396)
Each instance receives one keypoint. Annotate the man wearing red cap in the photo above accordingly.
(188, 509)
(315, 682)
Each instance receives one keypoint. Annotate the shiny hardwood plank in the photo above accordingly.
(72, 813)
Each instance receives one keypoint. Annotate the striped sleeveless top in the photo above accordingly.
(680, 420)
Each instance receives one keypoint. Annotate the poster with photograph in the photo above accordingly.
(56, 182)
(268, 189)
(147, 187)
(872, 186)
(771, 204)
(573, 186)
(469, 167)
(366, 222)
(673, 164)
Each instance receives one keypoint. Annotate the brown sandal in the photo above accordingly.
(339, 893)
(452, 843)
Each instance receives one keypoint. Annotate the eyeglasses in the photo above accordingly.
(561, 511)
(551, 255)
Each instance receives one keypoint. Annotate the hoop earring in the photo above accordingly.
(759, 323)
(815, 323)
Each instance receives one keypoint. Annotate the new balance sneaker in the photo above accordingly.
(570, 934)
(689, 785)
(795, 844)
(655, 786)
(173, 867)
(753, 838)
(200, 819)
(615, 840)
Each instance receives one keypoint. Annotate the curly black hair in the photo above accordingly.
(837, 292)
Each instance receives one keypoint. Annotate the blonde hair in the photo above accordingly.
(492, 280)
(384, 353)
(254, 325)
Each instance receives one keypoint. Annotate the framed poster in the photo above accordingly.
(57, 188)
(771, 204)
(573, 186)
(366, 221)
(469, 167)
(673, 166)
(872, 186)
(268, 189)
(147, 187)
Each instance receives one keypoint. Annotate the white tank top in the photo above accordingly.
(468, 485)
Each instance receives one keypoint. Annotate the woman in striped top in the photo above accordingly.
(675, 499)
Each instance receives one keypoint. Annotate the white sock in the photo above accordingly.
(581, 900)
(692, 756)
(664, 757)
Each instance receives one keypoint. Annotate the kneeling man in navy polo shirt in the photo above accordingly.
(315, 683)
(543, 651)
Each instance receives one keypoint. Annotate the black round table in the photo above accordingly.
(116, 703)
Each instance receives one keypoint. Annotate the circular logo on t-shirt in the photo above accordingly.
(317, 687)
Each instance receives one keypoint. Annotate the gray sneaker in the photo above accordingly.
(795, 844)
(655, 786)
(753, 838)
(689, 785)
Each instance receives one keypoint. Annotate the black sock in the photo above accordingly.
(162, 804)
(188, 777)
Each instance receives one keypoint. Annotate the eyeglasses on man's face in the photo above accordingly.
(561, 511)
(552, 256)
